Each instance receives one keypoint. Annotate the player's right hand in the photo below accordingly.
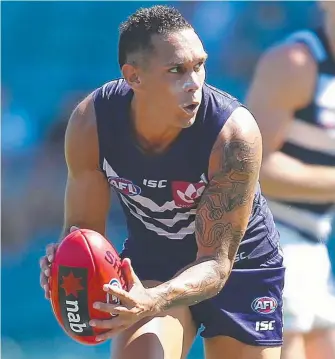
(45, 263)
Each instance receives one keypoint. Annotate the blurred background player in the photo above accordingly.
(293, 98)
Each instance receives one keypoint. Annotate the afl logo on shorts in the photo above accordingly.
(111, 298)
(124, 186)
(264, 305)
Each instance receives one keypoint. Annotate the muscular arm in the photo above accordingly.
(222, 215)
(284, 81)
(87, 196)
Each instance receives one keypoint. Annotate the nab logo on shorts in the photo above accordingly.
(185, 194)
(264, 305)
(124, 186)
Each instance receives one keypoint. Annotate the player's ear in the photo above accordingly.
(130, 74)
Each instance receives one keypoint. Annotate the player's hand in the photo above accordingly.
(136, 304)
(45, 263)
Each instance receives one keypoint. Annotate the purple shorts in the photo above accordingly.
(248, 309)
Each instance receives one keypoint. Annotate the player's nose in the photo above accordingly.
(192, 83)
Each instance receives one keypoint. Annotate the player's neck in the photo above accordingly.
(330, 32)
(150, 129)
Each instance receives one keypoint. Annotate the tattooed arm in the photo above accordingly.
(222, 215)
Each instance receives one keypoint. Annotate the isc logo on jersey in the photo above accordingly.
(264, 305)
(124, 186)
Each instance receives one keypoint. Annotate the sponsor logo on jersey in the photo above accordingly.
(186, 194)
(155, 183)
(264, 305)
(124, 186)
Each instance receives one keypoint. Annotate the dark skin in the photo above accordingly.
(221, 220)
(228, 196)
(224, 209)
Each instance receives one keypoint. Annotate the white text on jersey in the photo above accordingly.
(154, 183)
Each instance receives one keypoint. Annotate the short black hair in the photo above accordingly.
(136, 31)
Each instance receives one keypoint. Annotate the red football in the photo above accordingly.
(83, 263)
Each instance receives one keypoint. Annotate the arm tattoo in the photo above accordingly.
(221, 220)
(231, 190)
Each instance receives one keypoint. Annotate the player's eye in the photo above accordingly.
(176, 70)
(198, 66)
(181, 69)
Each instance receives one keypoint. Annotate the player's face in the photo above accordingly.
(175, 75)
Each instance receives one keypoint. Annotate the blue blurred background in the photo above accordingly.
(53, 54)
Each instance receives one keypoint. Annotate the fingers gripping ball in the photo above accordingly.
(83, 263)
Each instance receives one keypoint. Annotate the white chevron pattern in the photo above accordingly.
(153, 207)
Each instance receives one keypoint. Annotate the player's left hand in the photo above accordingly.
(136, 303)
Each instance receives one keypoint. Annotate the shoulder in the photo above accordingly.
(239, 139)
(312, 40)
(220, 98)
(219, 105)
(83, 116)
(285, 77)
(289, 65)
(81, 140)
(239, 117)
(115, 88)
(292, 59)
(241, 124)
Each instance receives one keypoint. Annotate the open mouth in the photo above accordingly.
(190, 108)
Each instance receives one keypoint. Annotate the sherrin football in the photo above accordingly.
(83, 263)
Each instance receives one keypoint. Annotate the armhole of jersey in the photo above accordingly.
(233, 105)
(317, 50)
(311, 40)
(98, 99)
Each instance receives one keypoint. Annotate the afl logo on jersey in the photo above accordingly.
(124, 186)
(111, 298)
(264, 305)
